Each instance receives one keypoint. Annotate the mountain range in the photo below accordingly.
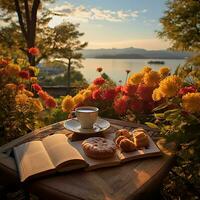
(134, 53)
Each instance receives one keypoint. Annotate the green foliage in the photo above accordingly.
(181, 24)
(77, 79)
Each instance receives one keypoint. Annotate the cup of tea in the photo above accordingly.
(87, 116)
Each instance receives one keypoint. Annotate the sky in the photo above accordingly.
(114, 23)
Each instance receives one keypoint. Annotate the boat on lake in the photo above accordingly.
(157, 62)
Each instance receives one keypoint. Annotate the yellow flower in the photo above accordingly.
(87, 94)
(146, 69)
(21, 99)
(170, 86)
(152, 78)
(78, 98)
(135, 79)
(11, 86)
(37, 104)
(92, 87)
(157, 95)
(13, 69)
(33, 79)
(191, 102)
(28, 93)
(67, 104)
(164, 71)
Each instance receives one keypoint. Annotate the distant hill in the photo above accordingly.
(134, 53)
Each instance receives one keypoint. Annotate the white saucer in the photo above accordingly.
(74, 125)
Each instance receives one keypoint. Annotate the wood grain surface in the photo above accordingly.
(132, 180)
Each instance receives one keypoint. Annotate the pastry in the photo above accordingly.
(127, 145)
(121, 137)
(140, 138)
(123, 132)
(99, 148)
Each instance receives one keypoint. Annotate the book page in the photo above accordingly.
(61, 151)
(32, 159)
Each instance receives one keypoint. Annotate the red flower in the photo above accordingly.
(186, 90)
(129, 90)
(36, 87)
(136, 106)
(120, 106)
(109, 94)
(118, 89)
(99, 81)
(43, 95)
(145, 92)
(99, 69)
(96, 94)
(24, 74)
(34, 51)
(50, 102)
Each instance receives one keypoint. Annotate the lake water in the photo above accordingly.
(116, 68)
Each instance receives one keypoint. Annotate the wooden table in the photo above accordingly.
(134, 180)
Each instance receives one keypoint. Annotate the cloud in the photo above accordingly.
(83, 14)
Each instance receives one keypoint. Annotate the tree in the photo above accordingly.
(68, 46)
(181, 24)
(27, 11)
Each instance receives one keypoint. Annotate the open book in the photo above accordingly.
(56, 153)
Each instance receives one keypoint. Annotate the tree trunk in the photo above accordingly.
(69, 73)
(28, 29)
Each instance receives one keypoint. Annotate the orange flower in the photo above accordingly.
(50, 102)
(34, 51)
(43, 95)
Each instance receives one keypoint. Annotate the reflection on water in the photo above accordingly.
(116, 68)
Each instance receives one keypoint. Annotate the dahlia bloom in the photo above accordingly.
(191, 102)
(164, 71)
(109, 94)
(67, 104)
(146, 69)
(43, 95)
(78, 98)
(99, 81)
(24, 74)
(157, 95)
(129, 90)
(34, 51)
(36, 87)
(135, 79)
(136, 106)
(145, 92)
(152, 78)
(120, 106)
(185, 90)
(97, 94)
(50, 102)
(170, 86)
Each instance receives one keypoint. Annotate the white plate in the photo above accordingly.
(74, 125)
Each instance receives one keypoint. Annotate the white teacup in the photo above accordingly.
(87, 116)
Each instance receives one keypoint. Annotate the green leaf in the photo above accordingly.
(151, 125)
(160, 107)
(159, 115)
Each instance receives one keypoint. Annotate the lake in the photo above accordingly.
(116, 68)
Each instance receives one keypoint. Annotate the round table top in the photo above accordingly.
(128, 181)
